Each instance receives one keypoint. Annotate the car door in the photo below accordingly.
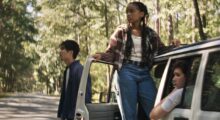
(207, 105)
(103, 105)
(184, 110)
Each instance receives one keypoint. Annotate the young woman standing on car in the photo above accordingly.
(132, 48)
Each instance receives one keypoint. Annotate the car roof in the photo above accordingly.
(206, 44)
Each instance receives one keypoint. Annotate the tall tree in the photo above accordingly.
(170, 25)
(14, 36)
(157, 23)
(200, 25)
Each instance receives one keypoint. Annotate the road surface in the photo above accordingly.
(28, 107)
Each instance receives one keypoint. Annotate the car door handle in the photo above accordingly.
(180, 118)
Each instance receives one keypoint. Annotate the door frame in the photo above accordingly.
(197, 98)
(81, 108)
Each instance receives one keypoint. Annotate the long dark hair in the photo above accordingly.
(183, 66)
(129, 44)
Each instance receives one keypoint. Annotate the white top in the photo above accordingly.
(136, 50)
(172, 100)
(67, 76)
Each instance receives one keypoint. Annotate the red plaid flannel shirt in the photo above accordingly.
(115, 50)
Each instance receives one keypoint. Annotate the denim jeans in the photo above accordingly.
(136, 86)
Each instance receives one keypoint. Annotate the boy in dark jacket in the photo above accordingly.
(69, 50)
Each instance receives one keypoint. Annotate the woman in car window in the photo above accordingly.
(174, 98)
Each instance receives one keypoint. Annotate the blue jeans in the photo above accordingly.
(136, 86)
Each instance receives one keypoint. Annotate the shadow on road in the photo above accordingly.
(28, 107)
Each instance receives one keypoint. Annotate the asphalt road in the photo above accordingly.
(28, 107)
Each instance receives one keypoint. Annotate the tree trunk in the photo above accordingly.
(12, 81)
(86, 36)
(1, 5)
(87, 44)
(107, 36)
(106, 20)
(157, 23)
(204, 20)
(201, 32)
(119, 17)
(170, 29)
(1, 24)
(194, 39)
(47, 86)
(177, 24)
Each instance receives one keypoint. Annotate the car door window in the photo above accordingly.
(190, 84)
(157, 71)
(193, 64)
(211, 84)
(101, 82)
(103, 105)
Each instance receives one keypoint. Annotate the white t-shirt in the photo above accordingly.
(172, 100)
(136, 51)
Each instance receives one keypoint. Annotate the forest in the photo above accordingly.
(31, 31)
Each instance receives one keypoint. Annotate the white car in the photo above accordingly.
(200, 99)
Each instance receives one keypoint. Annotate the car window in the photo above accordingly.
(101, 74)
(157, 71)
(190, 84)
(211, 84)
(193, 63)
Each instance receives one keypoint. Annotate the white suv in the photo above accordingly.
(200, 99)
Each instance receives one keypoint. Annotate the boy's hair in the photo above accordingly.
(70, 45)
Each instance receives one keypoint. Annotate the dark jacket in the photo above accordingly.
(68, 97)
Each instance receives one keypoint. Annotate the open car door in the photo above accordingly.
(104, 105)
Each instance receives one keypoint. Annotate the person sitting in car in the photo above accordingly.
(174, 98)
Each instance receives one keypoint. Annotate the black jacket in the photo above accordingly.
(68, 97)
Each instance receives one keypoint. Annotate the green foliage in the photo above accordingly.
(16, 29)
(100, 78)
(31, 31)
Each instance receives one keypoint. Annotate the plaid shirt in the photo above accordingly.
(116, 48)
